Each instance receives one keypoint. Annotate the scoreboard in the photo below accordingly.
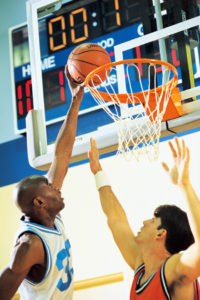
(107, 23)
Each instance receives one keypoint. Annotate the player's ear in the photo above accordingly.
(39, 202)
(161, 234)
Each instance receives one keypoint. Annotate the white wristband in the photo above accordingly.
(101, 179)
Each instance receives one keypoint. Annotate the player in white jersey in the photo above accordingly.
(40, 264)
(57, 282)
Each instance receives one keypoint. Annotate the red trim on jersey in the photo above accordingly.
(155, 286)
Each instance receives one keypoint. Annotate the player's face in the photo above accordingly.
(149, 230)
(54, 198)
(58, 200)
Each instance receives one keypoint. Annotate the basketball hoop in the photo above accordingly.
(139, 102)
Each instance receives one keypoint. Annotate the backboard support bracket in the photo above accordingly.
(40, 155)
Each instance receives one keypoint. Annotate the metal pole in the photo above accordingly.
(162, 46)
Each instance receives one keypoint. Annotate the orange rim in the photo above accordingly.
(123, 97)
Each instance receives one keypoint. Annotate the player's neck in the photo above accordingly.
(47, 222)
(152, 265)
(153, 262)
(153, 256)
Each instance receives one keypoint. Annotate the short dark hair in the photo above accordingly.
(32, 180)
(175, 221)
(27, 189)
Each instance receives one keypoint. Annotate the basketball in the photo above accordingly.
(86, 58)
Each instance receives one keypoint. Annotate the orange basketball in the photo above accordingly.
(84, 59)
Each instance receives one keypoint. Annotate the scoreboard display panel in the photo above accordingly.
(108, 23)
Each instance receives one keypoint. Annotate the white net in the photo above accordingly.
(145, 92)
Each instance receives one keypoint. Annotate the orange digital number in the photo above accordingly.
(51, 38)
(117, 13)
(85, 26)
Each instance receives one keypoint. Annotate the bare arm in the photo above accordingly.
(66, 137)
(187, 264)
(27, 252)
(116, 216)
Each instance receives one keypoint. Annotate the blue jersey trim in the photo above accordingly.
(42, 228)
(139, 269)
(60, 219)
(140, 288)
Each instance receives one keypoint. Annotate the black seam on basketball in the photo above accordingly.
(83, 61)
(85, 51)
(76, 50)
(77, 69)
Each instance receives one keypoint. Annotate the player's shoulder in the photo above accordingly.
(171, 263)
(28, 246)
(27, 251)
(28, 239)
(172, 270)
(179, 284)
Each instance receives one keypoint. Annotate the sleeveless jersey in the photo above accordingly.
(57, 283)
(155, 286)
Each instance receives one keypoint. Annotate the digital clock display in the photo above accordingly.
(54, 92)
(84, 23)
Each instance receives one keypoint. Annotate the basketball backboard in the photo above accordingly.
(173, 43)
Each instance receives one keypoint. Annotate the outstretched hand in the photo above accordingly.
(93, 155)
(179, 173)
(75, 88)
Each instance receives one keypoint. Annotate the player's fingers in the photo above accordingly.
(165, 166)
(93, 145)
(89, 153)
(92, 142)
(67, 72)
(178, 146)
(70, 79)
(174, 154)
(187, 155)
(183, 149)
(82, 84)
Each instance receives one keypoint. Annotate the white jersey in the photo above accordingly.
(57, 283)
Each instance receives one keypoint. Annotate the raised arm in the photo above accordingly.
(116, 216)
(187, 264)
(66, 137)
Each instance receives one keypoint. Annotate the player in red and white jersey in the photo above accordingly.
(165, 254)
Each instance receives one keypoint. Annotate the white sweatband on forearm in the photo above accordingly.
(101, 179)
